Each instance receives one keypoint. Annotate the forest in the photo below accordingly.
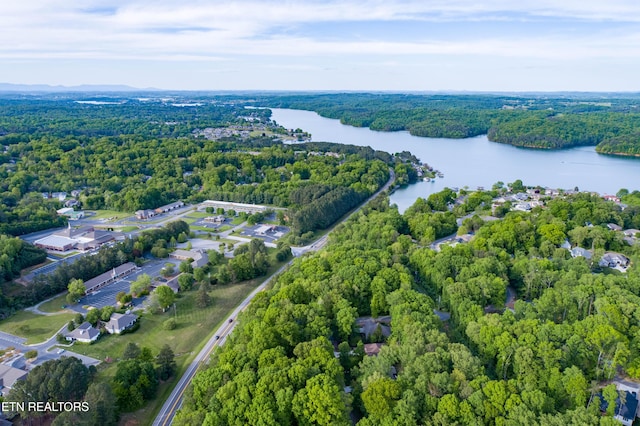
(126, 157)
(536, 121)
(452, 353)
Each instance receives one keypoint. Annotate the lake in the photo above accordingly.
(474, 162)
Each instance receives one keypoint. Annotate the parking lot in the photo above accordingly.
(267, 233)
(107, 295)
(212, 225)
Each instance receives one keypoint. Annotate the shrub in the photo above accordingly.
(169, 324)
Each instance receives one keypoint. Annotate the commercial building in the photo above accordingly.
(83, 238)
(109, 277)
(148, 214)
(237, 207)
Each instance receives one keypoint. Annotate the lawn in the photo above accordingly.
(54, 305)
(195, 326)
(237, 221)
(108, 214)
(200, 215)
(36, 328)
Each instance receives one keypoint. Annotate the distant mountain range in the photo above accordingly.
(9, 87)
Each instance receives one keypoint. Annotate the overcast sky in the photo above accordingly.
(482, 45)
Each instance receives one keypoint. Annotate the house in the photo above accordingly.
(614, 227)
(70, 203)
(580, 252)
(372, 349)
(611, 198)
(523, 207)
(627, 407)
(631, 232)
(614, 260)
(566, 245)
(367, 326)
(8, 377)
(85, 333)
(120, 322)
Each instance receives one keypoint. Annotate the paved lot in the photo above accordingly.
(106, 296)
(269, 236)
(211, 225)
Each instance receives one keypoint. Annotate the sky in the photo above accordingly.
(386, 45)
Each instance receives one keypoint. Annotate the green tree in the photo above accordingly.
(164, 295)
(380, 397)
(102, 402)
(131, 351)
(203, 299)
(185, 280)
(93, 316)
(106, 313)
(140, 285)
(76, 290)
(166, 363)
(319, 403)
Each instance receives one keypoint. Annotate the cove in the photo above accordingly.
(475, 162)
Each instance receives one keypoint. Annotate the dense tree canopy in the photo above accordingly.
(574, 325)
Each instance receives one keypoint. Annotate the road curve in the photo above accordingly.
(174, 401)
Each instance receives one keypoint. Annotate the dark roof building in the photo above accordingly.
(120, 322)
(8, 377)
(109, 277)
(85, 333)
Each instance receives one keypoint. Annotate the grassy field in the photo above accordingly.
(195, 326)
(107, 214)
(128, 228)
(36, 328)
(54, 305)
(200, 215)
(237, 221)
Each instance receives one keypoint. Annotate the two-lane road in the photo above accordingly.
(173, 403)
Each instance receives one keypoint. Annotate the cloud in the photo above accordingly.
(203, 30)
